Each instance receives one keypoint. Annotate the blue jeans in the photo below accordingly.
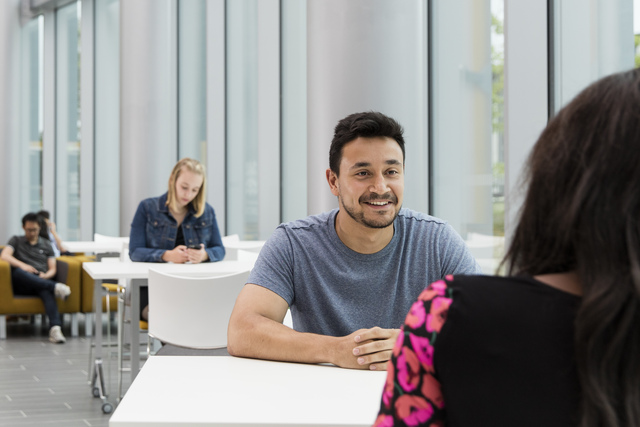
(31, 285)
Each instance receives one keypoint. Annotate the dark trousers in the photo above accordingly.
(31, 285)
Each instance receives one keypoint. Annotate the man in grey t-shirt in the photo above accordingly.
(33, 269)
(350, 275)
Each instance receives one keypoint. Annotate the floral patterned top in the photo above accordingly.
(487, 330)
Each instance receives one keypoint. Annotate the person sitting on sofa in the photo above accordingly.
(33, 269)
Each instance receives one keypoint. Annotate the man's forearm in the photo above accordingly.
(49, 274)
(14, 262)
(258, 337)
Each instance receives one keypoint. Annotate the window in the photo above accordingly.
(29, 176)
(67, 114)
(467, 124)
(106, 162)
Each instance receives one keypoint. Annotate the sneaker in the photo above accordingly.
(55, 335)
(62, 291)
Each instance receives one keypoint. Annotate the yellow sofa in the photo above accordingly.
(69, 272)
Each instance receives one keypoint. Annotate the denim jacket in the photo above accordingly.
(154, 231)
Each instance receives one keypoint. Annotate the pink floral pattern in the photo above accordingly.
(412, 395)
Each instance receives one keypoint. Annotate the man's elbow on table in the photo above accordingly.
(252, 321)
(235, 337)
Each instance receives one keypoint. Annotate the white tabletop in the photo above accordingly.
(93, 247)
(140, 270)
(223, 391)
(244, 244)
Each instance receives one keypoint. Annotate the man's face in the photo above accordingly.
(371, 182)
(31, 231)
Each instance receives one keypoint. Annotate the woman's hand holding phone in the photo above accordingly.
(196, 253)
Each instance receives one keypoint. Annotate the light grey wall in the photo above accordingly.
(148, 134)
(9, 117)
(525, 93)
(366, 55)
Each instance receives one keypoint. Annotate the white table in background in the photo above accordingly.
(93, 247)
(138, 272)
(232, 247)
(223, 391)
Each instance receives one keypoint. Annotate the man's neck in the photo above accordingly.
(359, 238)
(32, 241)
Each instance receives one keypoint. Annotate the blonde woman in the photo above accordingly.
(179, 226)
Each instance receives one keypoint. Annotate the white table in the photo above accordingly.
(138, 272)
(231, 247)
(224, 391)
(93, 247)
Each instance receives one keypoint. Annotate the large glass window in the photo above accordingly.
(107, 117)
(636, 32)
(192, 88)
(242, 118)
(466, 111)
(294, 109)
(591, 40)
(68, 121)
(31, 118)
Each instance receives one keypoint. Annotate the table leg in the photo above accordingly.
(98, 383)
(135, 325)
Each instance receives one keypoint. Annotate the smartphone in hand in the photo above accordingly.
(197, 247)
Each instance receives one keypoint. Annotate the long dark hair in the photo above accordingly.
(582, 213)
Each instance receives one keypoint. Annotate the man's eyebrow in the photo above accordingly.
(393, 162)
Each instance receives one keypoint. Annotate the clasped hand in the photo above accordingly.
(367, 348)
(182, 254)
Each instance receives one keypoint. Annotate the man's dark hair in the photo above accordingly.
(371, 124)
(30, 217)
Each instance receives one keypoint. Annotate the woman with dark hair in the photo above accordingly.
(557, 342)
(48, 232)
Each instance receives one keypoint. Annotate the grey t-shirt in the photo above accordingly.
(333, 290)
(35, 255)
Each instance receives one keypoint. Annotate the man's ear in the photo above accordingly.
(332, 179)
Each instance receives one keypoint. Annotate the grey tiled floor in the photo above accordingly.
(45, 384)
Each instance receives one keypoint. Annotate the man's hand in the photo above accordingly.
(177, 255)
(366, 349)
(29, 268)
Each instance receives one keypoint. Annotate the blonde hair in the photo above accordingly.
(193, 166)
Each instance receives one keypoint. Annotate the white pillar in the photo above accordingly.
(9, 73)
(525, 93)
(148, 107)
(366, 55)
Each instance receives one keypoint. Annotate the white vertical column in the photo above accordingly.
(525, 92)
(148, 115)
(366, 55)
(9, 75)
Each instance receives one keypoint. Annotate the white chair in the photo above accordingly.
(486, 249)
(233, 247)
(231, 238)
(117, 241)
(192, 311)
(288, 320)
(248, 257)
